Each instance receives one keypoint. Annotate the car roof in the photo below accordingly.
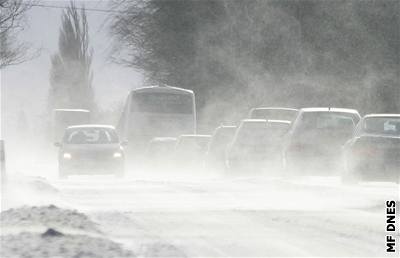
(91, 126)
(254, 121)
(158, 88)
(70, 110)
(226, 126)
(163, 139)
(279, 121)
(329, 109)
(381, 115)
(222, 127)
(275, 108)
(195, 136)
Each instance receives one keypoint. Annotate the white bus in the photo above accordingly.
(157, 111)
(62, 118)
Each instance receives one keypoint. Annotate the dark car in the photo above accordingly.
(373, 153)
(274, 113)
(313, 144)
(159, 153)
(257, 145)
(216, 153)
(90, 149)
(190, 151)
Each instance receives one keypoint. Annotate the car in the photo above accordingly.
(90, 149)
(216, 152)
(313, 144)
(159, 152)
(273, 113)
(2, 161)
(257, 145)
(373, 153)
(190, 151)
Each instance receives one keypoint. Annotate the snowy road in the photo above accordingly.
(222, 216)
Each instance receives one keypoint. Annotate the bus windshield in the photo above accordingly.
(162, 103)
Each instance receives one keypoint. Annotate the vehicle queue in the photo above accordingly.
(270, 141)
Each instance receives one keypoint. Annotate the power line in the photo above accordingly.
(79, 8)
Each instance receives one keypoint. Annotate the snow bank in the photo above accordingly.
(27, 244)
(49, 231)
(48, 217)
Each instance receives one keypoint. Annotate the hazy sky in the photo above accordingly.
(25, 86)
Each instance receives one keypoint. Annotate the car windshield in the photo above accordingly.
(160, 147)
(193, 143)
(222, 137)
(325, 121)
(276, 130)
(252, 133)
(382, 126)
(90, 136)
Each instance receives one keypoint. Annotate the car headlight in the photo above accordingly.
(67, 155)
(117, 155)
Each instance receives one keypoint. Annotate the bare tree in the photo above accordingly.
(266, 50)
(11, 22)
(71, 75)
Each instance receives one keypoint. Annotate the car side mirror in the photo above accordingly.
(124, 143)
(57, 144)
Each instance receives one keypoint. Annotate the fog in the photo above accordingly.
(115, 128)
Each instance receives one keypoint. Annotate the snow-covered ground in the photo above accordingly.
(169, 215)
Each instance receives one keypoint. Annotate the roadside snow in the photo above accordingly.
(50, 231)
(29, 244)
(46, 217)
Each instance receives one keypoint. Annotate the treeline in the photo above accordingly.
(237, 54)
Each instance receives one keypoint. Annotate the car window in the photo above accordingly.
(91, 136)
(160, 147)
(193, 143)
(382, 126)
(222, 138)
(277, 130)
(328, 120)
(250, 133)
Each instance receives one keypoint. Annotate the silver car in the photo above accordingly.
(257, 145)
(313, 144)
(90, 149)
(373, 153)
